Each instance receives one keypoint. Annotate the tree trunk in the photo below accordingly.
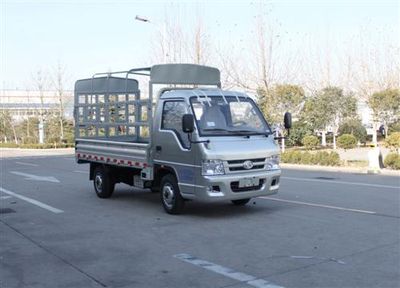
(61, 129)
(27, 128)
(386, 127)
(15, 134)
(374, 135)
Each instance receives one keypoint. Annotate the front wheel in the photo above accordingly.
(103, 182)
(171, 198)
(241, 202)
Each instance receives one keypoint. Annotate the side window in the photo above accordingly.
(172, 119)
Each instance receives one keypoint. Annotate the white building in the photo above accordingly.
(30, 103)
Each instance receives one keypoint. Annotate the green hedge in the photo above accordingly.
(9, 145)
(347, 141)
(323, 158)
(310, 142)
(355, 128)
(393, 140)
(37, 146)
(392, 160)
(298, 131)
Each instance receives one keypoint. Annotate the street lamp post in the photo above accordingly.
(41, 131)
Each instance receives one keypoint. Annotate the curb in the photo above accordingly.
(25, 152)
(365, 170)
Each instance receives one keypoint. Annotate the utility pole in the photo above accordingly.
(40, 85)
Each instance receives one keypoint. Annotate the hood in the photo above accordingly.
(237, 148)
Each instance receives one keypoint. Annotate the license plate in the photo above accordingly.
(249, 182)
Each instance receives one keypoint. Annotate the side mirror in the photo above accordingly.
(287, 119)
(188, 123)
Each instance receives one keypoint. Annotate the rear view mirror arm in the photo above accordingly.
(196, 142)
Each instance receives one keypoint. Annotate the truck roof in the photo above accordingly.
(186, 93)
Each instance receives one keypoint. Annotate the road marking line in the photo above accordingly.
(27, 164)
(35, 177)
(320, 205)
(341, 182)
(79, 171)
(227, 272)
(5, 197)
(32, 201)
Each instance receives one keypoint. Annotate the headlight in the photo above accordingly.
(212, 167)
(272, 162)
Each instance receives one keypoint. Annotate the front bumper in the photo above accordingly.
(224, 187)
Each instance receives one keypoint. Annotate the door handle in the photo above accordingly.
(158, 148)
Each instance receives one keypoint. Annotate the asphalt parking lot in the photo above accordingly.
(323, 229)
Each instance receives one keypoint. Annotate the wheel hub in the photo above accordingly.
(168, 195)
(98, 182)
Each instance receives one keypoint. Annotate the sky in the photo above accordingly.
(87, 37)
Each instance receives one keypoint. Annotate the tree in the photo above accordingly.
(346, 106)
(319, 112)
(327, 108)
(280, 99)
(180, 43)
(52, 129)
(69, 131)
(298, 132)
(385, 106)
(393, 141)
(355, 128)
(58, 83)
(200, 43)
(347, 141)
(28, 130)
(41, 84)
(261, 58)
(7, 127)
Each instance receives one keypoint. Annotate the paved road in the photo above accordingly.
(323, 229)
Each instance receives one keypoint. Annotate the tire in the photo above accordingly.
(171, 198)
(241, 202)
(103, 182)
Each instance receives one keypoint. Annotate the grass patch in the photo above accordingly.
(322, 158)
(356, 163)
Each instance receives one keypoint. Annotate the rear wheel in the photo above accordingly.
(171, 198)
(241, 202)
(103, 182)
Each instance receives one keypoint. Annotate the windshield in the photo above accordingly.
(230, 116)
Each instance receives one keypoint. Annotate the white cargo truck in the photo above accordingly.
(193, 141)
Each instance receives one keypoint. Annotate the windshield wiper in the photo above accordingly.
(244, 131)
(249, 132)
(215, 129)
(239, 132)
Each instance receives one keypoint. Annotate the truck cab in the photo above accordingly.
(203, 143)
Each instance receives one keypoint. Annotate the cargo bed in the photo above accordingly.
(112, 125)
(121, 153)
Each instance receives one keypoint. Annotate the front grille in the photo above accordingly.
(235, 186)
(242, 168)
(237, 165)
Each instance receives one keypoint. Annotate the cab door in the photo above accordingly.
(171, 145)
